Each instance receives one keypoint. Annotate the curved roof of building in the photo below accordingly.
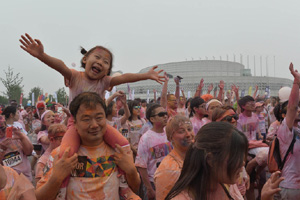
(212, 71)
(202, 67)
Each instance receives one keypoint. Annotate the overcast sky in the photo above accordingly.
(145, 33)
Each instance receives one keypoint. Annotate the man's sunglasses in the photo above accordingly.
(229, 118)
(161, 114)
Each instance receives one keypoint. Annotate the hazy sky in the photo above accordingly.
(144, 33)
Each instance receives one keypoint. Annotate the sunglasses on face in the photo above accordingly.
(137, 107)
(160, 114)
(229, 118)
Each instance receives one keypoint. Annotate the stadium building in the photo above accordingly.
(212, 71)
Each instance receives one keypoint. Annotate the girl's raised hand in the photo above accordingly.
(33, 47)
(154, 75)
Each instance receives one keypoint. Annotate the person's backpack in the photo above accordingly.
(274, 159)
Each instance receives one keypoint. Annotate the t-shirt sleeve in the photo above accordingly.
(40, 135)
(39, 170)
(272, 131)
(284, 133)
(69, 82)
(142, 154)
(141, 130)
(22, 188)
(239, 126)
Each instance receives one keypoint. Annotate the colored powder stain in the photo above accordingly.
(185, 142)
(159, 123)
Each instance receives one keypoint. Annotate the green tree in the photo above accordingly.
(37, 92)
(13, 84)
(3, 100)
(62, 96)
(25, 101)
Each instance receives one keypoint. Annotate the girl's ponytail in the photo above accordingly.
(83, 51)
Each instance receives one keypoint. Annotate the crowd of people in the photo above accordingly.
(210, 146)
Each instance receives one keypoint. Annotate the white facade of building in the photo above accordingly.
(212, 71)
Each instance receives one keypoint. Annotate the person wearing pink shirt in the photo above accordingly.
(197, 111)
(286, 133)
(248, 123)
(55, 135)
(14, 149)
(259, 112)
(135, 124)
(143, 108)
(152, 149)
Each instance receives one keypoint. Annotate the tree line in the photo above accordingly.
(14, 88)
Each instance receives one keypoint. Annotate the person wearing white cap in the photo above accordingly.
(47, 119)
(211, 105)
(284, 94)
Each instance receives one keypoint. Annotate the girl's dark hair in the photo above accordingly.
(131, 104)
(87, 53)
(121, 112)
(243, 101)
(143, 101)
(138, 99)
(215, 144)
(195, 103)
(36, 116)
(89, 99)
(43, 127)
(150, 110)
(109, 108)
(280, 109)
(9, 110)
(187, 102)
